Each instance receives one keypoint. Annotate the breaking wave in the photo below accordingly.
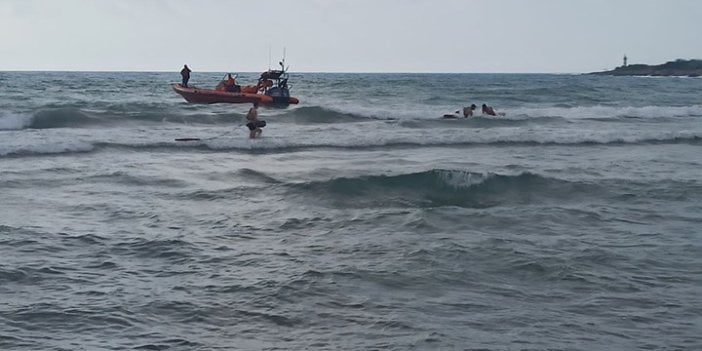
(74, 117)
(319, 114)
(288, 145)
(602, 112)
(70, 117)
(439, 187)
(14, 121)
(61, 117)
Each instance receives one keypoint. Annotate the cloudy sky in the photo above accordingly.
(561, 36)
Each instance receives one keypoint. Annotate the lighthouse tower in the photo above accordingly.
(624, 65)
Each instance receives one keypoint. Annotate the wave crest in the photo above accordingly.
(13, 121)
(438, 187)
(318, 114)
(60, 118)
(600, 112)
(288, 145)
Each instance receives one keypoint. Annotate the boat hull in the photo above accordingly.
(210, 96)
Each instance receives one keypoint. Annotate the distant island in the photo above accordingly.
(679, 67)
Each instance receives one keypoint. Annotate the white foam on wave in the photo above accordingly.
(56, 147)
(418, 111)
(13, 121)
(462, 179)
(368, 134)
(381, 108)
(605, 112)
(377, 133)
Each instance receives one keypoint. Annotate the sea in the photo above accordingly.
(360, 220)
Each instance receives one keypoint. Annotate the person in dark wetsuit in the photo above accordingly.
(488, 110)
(254, 124)
(185, 73)
(467, 112)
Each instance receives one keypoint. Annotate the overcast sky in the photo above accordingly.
(561, 36)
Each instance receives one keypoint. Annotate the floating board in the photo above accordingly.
(187, 139)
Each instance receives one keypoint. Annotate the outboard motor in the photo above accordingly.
(279, 95)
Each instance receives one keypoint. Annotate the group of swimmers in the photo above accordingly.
(256, 124)
(468, 112)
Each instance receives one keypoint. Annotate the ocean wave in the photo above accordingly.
(122, 177)
(75, 117)
(61, 117)
(515, 116)
(354, 143)
(482, 122)
(273, 145)
(166, 116)
(42, 316)
(439, 187)
(319, 114)
(601, 112)
(46, 148)
(169, 249)
(257, 176)
(14, 121)
(72, 117)
(48, 118)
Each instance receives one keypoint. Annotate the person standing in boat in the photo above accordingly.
(185, 73)
(254, 124)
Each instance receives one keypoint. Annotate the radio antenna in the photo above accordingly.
(282, 63)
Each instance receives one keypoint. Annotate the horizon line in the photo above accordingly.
(291, 72)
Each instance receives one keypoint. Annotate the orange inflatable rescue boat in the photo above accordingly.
(272, 88)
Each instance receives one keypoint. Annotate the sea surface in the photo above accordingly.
(359, 221)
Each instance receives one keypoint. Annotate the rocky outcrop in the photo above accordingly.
(690, 68)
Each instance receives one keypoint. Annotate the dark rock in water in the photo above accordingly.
(690, 68)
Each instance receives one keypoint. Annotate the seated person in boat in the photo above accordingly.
(250, 89)
(230, 84)
(264, 84)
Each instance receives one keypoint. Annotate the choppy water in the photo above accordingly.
(359, 221)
